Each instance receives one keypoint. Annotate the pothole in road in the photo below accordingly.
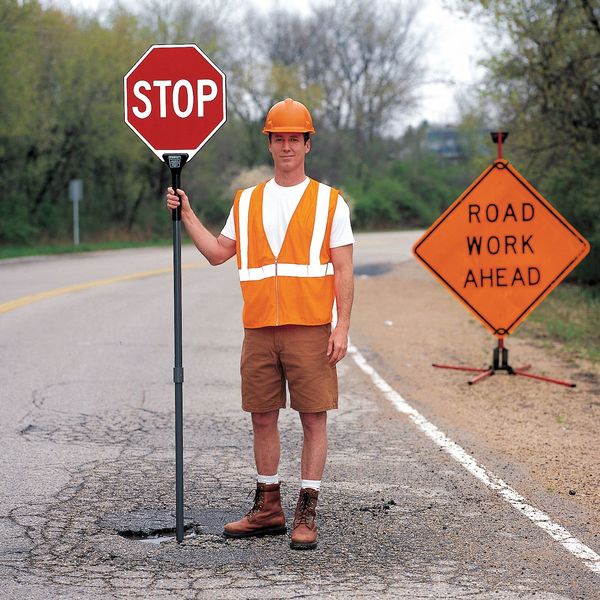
(149, 525)
(157, 526)
(157, 539)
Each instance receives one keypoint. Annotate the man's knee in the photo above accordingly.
(314, 422)
(266, 420)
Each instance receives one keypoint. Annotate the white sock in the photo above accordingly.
(268, 479)
(311, 483)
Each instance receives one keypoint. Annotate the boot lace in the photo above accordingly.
(258, 501)
(305, 511)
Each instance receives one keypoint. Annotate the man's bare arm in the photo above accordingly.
(216, 250)
(343, 278)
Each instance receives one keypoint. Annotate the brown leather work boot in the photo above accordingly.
(304, 533)
(264, 518)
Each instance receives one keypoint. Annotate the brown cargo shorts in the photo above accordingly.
(293, 353)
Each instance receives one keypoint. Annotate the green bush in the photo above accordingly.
(573, 187)
(406, 193)
(16, 227)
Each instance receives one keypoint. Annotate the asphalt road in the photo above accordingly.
(86, 449)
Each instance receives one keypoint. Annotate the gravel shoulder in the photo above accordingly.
(541, 438)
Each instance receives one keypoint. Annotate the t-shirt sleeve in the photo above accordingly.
(341, 229)
(229, 230)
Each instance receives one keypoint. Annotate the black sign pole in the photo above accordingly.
(175, 162)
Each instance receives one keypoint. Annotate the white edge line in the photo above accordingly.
(577, 548)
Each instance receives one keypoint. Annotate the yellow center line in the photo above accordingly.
(25, 300)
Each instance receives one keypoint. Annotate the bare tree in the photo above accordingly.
(203, 22)
(357, 62)
(367, 59)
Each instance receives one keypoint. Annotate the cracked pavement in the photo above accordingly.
(87, 442)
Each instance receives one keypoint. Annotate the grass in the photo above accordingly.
(570, 315)
(23, 251)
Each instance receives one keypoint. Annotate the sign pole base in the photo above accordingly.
(500, 363)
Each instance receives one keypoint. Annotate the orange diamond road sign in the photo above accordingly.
(501, 248)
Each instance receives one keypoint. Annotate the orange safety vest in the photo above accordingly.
(296, 286)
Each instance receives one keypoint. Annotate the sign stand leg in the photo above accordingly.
(175, 162)
(500, 363)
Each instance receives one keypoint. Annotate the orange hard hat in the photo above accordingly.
(288, 116)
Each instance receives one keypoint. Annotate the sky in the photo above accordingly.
(453, 47)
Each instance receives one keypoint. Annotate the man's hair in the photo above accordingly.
(305, 134)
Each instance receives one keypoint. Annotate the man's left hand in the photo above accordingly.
(338, 344)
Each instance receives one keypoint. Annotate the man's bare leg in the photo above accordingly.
(314, 449)
(314, 453)
(266, 516)
(267, 448)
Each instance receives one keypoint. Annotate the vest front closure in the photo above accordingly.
(277, 290)
(305, 197)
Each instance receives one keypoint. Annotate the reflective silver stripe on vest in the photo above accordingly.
(314, 269)
(285, 270)
(243, 209)
(320, 223)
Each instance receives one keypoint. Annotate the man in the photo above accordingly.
(293, 241)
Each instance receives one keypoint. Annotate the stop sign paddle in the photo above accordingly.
(174, 99)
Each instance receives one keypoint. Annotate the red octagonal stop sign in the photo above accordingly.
(175, 98)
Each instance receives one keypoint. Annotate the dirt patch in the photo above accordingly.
(542, 436)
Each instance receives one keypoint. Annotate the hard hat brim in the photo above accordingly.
(288, 129)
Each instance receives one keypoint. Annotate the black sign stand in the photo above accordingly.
(175, 162)
(500, 353)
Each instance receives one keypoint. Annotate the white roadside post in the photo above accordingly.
(76, 195)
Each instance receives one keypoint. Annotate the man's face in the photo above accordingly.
(288, 150)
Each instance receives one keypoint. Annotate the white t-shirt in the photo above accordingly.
(279, 204)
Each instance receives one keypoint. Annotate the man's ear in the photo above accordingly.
(307, 146)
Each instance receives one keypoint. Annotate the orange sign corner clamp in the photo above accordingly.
(501, 248)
